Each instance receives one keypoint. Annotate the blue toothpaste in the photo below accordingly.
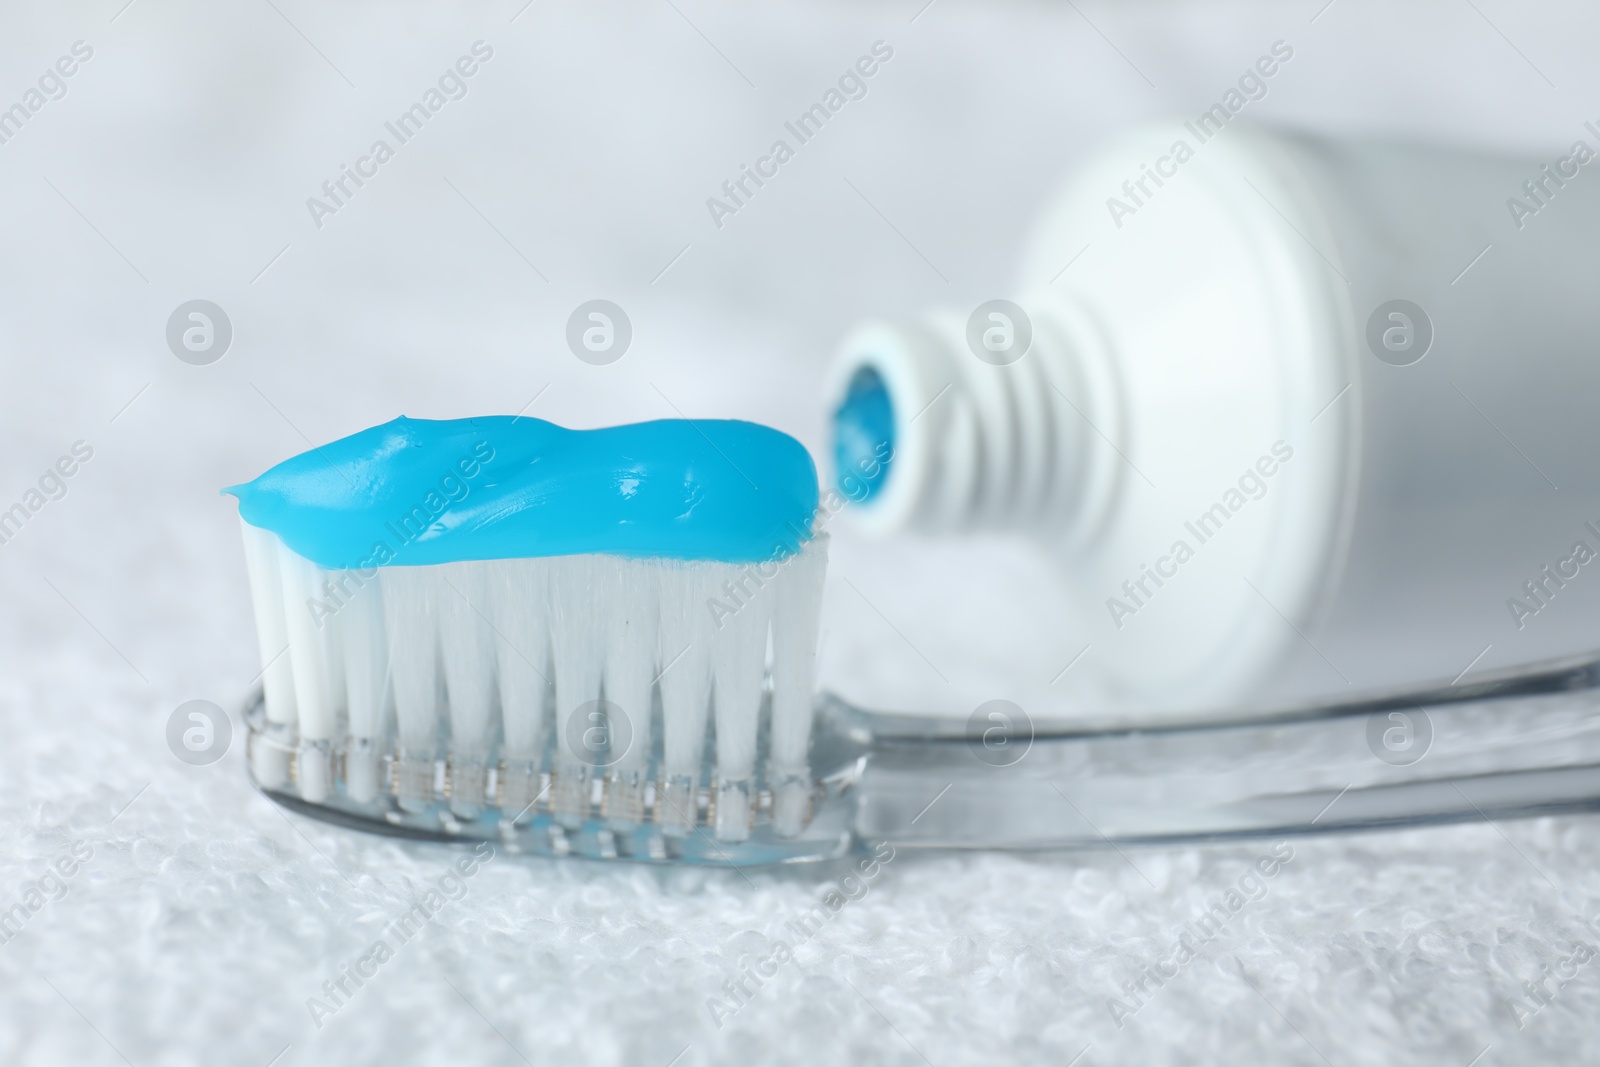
(863, 436)
(418, 491)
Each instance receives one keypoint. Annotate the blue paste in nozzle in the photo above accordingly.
(419, 491)
(863, 436)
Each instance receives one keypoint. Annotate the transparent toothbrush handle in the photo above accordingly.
(1521, 743)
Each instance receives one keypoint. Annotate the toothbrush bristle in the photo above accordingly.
(524, 688)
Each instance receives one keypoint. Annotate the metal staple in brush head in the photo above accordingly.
(596, 697)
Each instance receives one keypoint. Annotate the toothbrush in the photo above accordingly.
(501, 623)
(624, 705)
(1521, 744)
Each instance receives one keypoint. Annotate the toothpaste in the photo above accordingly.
(414, 492)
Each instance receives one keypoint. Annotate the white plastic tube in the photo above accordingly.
(1260, 476)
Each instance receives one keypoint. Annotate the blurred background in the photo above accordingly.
(178, 165)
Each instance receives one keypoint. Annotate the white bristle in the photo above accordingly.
(410, 612)
(518, 590)
(580, 598)
(738, 653)
(796, 613)
(466, 641)
(318, 669)
(366, 668)
(511, 668)
(270, 762)
(630, 670)
(685, 640)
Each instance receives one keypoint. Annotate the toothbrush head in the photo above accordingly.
(653, 703)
